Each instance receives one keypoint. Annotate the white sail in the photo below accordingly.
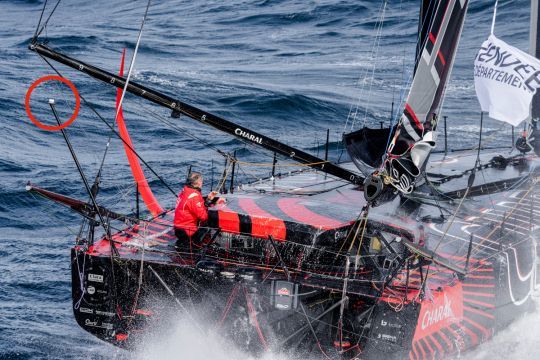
(505, 79)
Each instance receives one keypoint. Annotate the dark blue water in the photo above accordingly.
(289, 69)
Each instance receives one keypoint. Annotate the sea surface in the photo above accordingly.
(288, 69)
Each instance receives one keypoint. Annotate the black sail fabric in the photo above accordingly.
(366, 147)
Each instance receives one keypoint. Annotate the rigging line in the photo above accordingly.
(362, 217)
(39, 22)
(87, 186)
(224, 178)
(95, 185)
(360, 81)
(470, 183)
(114, 131)
(98, 176)
(141, 272)
(47, 21)
(176, 127)
(377, 47)
(132, 64)
(374, 55)
(494, 17)
(505, 218)
(482, 260)
(183, 131)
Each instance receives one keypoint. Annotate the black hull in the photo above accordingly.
(120, 311)
(284, 283)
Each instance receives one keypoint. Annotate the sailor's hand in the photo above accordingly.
(212, 195)
(221, 200)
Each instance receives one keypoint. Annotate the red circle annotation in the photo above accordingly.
(51, 127)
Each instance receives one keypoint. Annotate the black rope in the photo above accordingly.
(39, 22)
(116, 133)
(48, 18)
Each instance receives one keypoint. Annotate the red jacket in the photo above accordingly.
(190, 210)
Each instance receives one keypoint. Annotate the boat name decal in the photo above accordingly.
(439, 311)
(248, 136)
(438, 314)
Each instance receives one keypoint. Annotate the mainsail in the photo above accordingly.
(414, 137)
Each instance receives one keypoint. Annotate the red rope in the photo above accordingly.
(228, 305)
(253, 316)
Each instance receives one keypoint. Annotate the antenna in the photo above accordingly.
(83, 177)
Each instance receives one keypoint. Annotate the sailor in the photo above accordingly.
(192, 211)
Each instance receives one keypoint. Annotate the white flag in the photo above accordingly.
(505, 79)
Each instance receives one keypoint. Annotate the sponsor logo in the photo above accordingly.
(438, 314)
(444, 309)
(104, 325)
(390, 325)
(386, 337)
(105, 313)
(89, 322)
(284, 291)
(86, 310)
(91, 290)
(282, 306)
(95, 278)
(497, 62)
(248, 136)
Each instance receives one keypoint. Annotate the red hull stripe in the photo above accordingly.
(472, 335)
(486, 332)
(162, 234)
(490, 306)
(480, 285)
(414, 350)
(422, 351)
(229, 221)
(139, 235)
(432, 38)
(263, 224)
(478, 294)
(437, 344)
(430, 350)
(449, 344)
(477, 311)
(302, 214)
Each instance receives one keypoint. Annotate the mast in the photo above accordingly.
(534, 50)
(178, 107)
(414, 137)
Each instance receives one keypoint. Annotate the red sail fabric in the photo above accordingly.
(144, 189)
